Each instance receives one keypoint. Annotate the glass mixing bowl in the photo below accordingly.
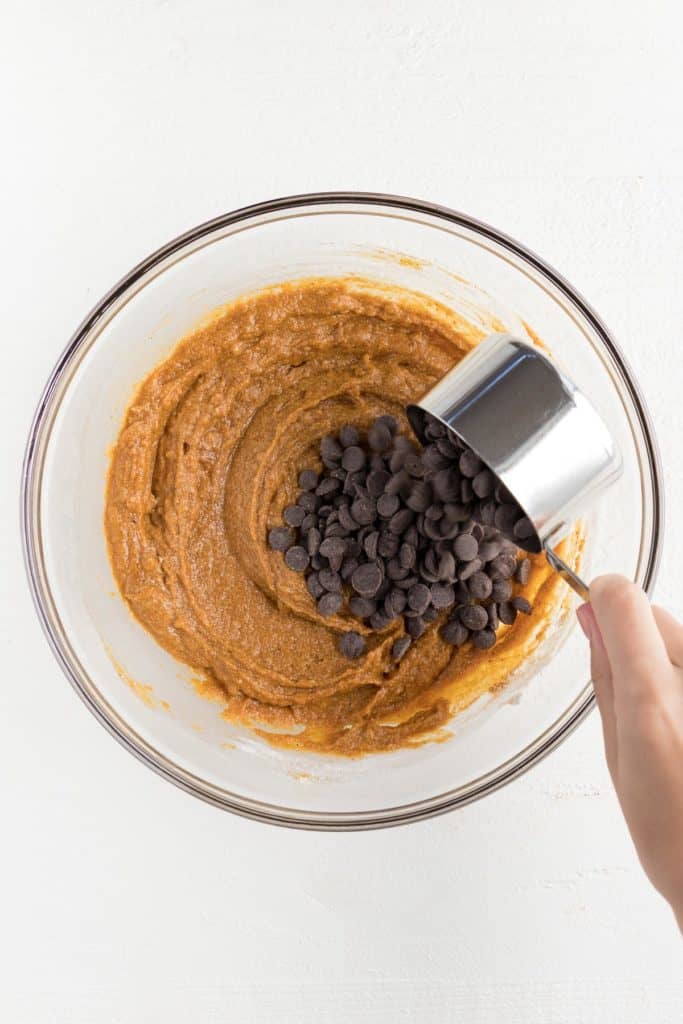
(143, 696)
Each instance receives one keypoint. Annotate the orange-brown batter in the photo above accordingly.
(206, 460)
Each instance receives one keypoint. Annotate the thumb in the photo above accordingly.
(601, 675)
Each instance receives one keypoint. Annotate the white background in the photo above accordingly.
(125, 901)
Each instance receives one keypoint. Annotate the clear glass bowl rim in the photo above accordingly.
(30, 525)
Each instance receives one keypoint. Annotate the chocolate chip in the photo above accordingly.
(364, 511)
(330, 485)
(317, 562)
(523, 571)
(314, 586)
(502, 495)
(434, 428)
(429, 567)
(447, 448)
(330, 450)
(280, 538)
(379, 620)
(353, 548)
(523, 528)
(308, 501)
(469, 463)
(333, 549)
(433, 459)
(348, 435)
(456, 512)
(351, 644)
(379, 436)
(349, 566)
(400, 483)
(367, 579)
(412, 463)
(430, 528)
(387, 505)
(466, 547)
(420, 496)
(308, 479)
(415, 626)
(346, 519)
(330, 580)
(407, 582)
(353, 459)
(442, 595)
(370, 545)
(502, 567)
(394, 603)
(453, 632)
(362, 607)
(494, 621)
(419, 597)
(446, 570)
(399, 647)
(487, 511)
(294, 515)
(395, 461)
(507, 612)
(430, 614)
(521, 605)
(401, 520)
(480, 586)
(297, 558)
(329, 604)
(483, 483)
(410, 536)
(446, 484)
(484, 639)
(377, 481)
(448, 530)
(309, 521)
(388, 544)
(468, 569)
(390, 422)
(335, 529)
(506, 517)
(489, 549)
(313, 540)
(474, 616)
(501, 590)
(407, 555)
(434, 512)
(395, 571)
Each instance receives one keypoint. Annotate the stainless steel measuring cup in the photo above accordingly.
(534, 429)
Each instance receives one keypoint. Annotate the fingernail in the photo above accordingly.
(586, 617)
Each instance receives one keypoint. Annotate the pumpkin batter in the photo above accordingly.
(208, 457)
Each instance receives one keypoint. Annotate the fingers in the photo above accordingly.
(601, 674)
(637, 655)
(672, 634)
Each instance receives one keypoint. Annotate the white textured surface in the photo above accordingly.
(122, 899)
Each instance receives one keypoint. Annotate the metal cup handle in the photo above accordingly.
(567, 574)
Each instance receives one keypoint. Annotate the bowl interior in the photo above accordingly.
(144, 694)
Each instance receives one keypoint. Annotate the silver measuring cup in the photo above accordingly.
(534, 429)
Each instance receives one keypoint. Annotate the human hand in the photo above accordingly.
(637, 671)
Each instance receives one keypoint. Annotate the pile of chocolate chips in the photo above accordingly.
(391, 529)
